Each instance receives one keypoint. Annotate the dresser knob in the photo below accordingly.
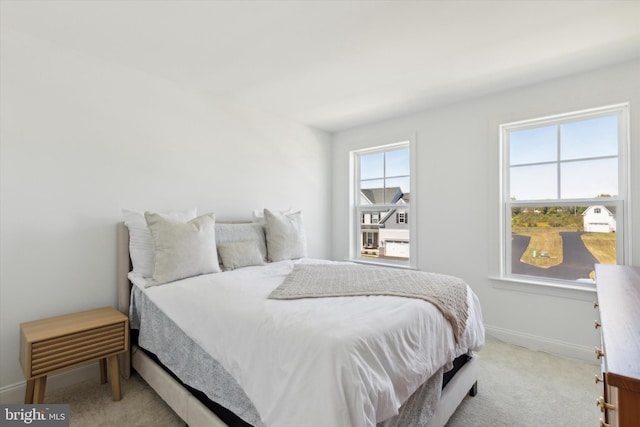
(597, 324)
(595, 304)
(604, 405)
(598, 379)
(603, 424)
(599, 353)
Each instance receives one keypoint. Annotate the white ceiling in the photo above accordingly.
(338, 64)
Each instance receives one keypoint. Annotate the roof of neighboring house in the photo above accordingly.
(387, 216)
(375, 196)
(378, 196)
(610, 209)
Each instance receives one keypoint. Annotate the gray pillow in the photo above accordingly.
(182, 249)
(247, 232)
(285, 235)
(239, 254)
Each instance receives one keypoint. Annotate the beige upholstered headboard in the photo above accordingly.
(123, 262)
(124, 266)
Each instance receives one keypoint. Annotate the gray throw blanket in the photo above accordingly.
(447, 293)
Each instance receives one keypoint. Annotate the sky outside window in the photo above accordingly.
(590, 138)
(578, 158)
(533, 145)
(589, 178)
(385, 170)
(371, 166)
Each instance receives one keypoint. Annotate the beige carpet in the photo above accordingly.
(516, 387)
(519, 387)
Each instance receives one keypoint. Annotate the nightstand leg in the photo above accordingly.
(28, 395)
(38, 390)
(114, 373)
(103, 371)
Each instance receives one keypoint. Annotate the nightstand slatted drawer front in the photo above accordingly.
(61, 343)
(68, 350)
(76, 355)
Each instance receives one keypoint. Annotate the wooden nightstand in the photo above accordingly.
(51, 345)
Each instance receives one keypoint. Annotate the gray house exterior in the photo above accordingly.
(385, 233)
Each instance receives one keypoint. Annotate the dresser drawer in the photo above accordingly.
(618, 301)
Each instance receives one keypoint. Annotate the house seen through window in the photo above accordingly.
(564, 194)
(382, 203)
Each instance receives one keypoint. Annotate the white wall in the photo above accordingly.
(82, 138)
(458, 199)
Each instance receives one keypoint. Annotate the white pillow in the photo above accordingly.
(182, 249)
(240, 254)
(258, 215)
(140, 244)
(285, 235)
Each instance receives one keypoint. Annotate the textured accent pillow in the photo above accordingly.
(140, 243)
(239, 254)
(285, 235)
(182, 249)
(226, 233)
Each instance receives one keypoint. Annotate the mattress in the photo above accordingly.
(327, 361)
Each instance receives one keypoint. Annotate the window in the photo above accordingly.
(370, 240)
(564, 191)
(382, 194)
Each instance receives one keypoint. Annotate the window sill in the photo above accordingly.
(381, 264)
(584, 292)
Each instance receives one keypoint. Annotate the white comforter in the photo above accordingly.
(347, 361)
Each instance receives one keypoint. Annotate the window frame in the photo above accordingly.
(357, 210)
(619, 201)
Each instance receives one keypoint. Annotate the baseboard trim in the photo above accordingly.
(538, 343)
(14, 393)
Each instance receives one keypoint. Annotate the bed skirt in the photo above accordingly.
(228, 418)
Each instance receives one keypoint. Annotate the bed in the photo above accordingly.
(278, 361)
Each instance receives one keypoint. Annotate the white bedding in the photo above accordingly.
(345, 361)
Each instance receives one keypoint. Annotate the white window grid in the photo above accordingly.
(618, 201)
